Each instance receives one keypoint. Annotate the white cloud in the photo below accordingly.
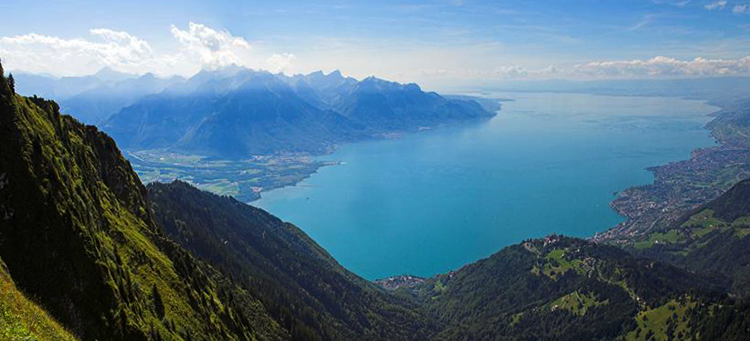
(676, 3)
(122, 48)
(657, 67)
(718, 5)
(665, 67)
(740, 9)
(211, 48)
(507, 72)
(40, 53)
(279, 62)
(200, 47)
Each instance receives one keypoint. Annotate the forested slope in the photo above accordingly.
(78, 235)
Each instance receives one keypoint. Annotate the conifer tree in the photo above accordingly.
(158, 303)
(12, 83)
(3, 82)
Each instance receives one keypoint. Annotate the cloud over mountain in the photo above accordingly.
(211, 48)
(202, 47)
(279, 62)
(199, 47)
(40, 53)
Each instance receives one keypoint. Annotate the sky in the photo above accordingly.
(434, 43)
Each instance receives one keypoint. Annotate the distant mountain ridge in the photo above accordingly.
(93, 98)
(236, 112)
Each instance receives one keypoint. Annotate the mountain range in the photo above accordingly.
(236, 112)
(94, 98)
(90, 253)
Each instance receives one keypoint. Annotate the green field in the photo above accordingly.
(662, 322)
(243, 179)
(576, 303)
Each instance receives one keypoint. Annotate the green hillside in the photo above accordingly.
(561, 288)
(715, 239)
(21, 318)
(299, 281)
(78, 236)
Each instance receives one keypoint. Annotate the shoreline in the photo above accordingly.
(680, 186)
(629, 202)
(392, 135)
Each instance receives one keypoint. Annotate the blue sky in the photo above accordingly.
(431, 42)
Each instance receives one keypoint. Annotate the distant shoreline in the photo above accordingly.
(679, 187)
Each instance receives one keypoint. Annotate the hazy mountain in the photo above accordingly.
(236, 112)
(384, 106)
(107, 74)
(93, 98)
(95, 105)
(52, 87)
(324, 91)
(231, 114)
(381, 105)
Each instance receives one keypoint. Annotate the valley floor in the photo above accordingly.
(242, 179)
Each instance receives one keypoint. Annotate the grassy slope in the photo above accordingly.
(22, 319)
(713, 239)
(100, 263)
(665, 322)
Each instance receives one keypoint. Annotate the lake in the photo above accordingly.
(433, 201)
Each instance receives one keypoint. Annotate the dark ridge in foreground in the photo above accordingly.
(77, 234)
(299, 282)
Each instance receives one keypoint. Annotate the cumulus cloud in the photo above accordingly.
(211, 48)
(200, 47)
(41, 53)
(279, 62)
(717, 5)
(666, 67)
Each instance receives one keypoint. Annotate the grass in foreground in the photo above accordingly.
(22, 319)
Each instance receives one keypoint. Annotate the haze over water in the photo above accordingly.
(433, 201)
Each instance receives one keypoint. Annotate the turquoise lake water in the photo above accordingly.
(433, 201)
